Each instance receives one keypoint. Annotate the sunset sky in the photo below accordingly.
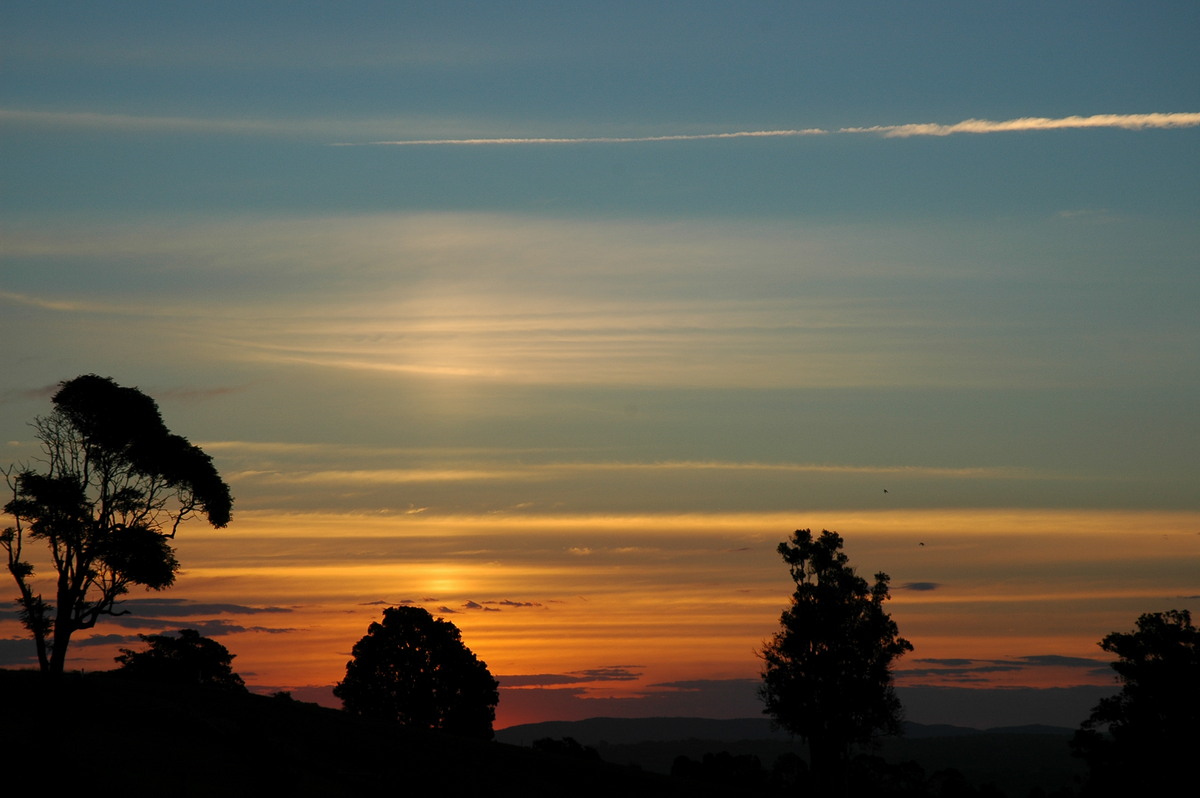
(555, 318)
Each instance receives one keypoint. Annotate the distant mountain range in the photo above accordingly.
(1014, 760)
(624, 731)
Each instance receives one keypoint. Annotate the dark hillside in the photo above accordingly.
(99, 734)
(1013, 760)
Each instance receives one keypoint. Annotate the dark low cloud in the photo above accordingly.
(921, 586)
(1058, 661)
(496, 605)
(182, 608)
(475, 605)
(539, 680)
(16, 652)
(612, 673)
(950, 662)
(961, 673)
(400, 603)
(104, 640)
(709, 685)
(212, 627)
(975, 669)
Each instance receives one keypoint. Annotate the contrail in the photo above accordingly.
(977, 126)
(740, 134)
(1028, 123)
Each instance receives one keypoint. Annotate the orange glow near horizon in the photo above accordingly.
(694, 599)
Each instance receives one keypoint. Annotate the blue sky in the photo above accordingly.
(961, 266)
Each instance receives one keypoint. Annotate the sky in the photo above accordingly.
(555, 318)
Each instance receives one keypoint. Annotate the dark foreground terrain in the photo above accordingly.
(100, 735)
(1014, 762)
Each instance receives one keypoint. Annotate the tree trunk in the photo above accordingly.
(64, 625)
(830, 767)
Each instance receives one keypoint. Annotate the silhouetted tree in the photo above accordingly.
(828, 671)
(188, 658)
(1144, 739)
(414, 669)
(115, 486)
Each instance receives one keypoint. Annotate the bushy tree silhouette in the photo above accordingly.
(115, 487)
(1146, 737)
(188, 658)
(414, 669)
(827, 675)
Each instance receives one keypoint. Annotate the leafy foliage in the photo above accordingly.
(827, 675)
(188, 658)
(414, 669)
(115, 487)
(1153, 724)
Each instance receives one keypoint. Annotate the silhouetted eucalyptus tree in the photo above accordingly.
(187, 658)
(414, 669)
(1153, 725)
(115, 486)
(827, 675)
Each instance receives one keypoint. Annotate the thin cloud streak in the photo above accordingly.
(548, 470)
(1120, 121)
(48, 304)
(741, 134)
(136, 123)
(821, 468)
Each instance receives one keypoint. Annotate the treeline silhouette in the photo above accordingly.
(868, 775)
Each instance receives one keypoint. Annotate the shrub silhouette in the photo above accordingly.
(188, 658)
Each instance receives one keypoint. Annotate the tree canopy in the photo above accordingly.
(187, 658)
(415, 669)
(1148, 733)
(114, 487)
(828, 670)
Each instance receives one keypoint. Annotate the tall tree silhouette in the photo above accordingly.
(827, 675)
(414, 669)
(115, 487)
(1144, 739)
